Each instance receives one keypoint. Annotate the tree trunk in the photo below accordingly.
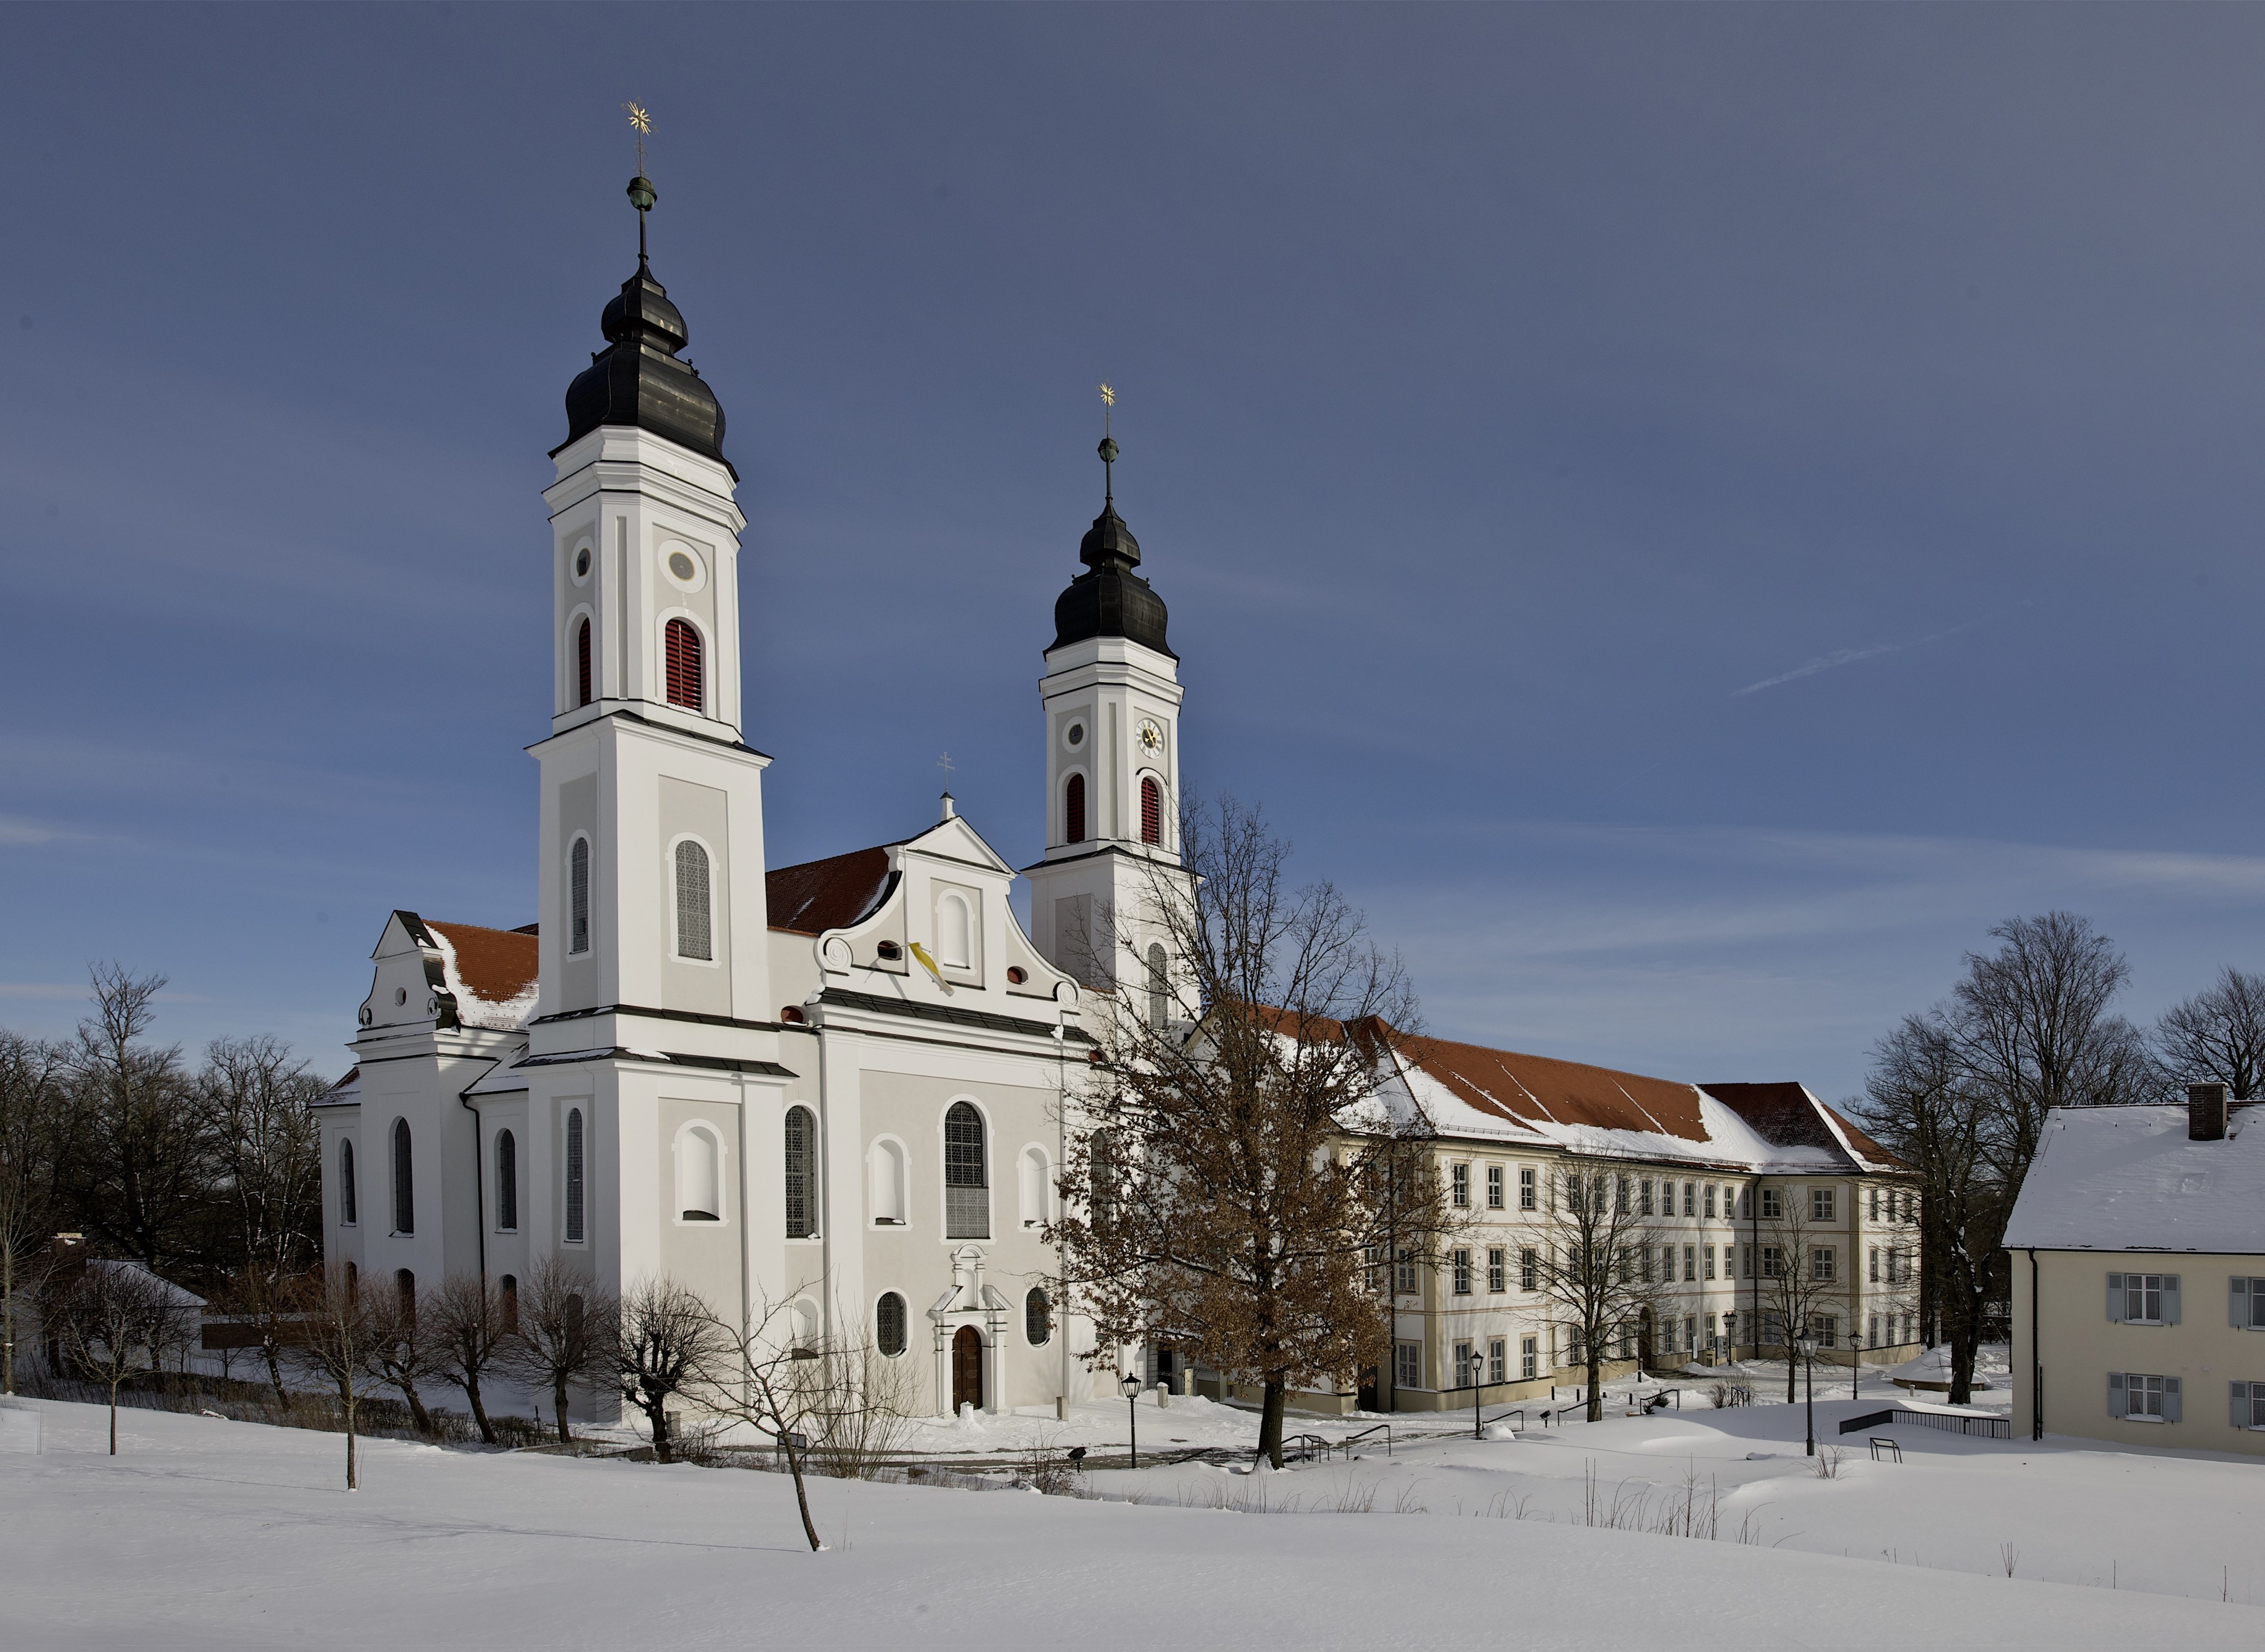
(662, 1445)
(1596, 1384)
(270, 1347)
(113, 1419)
(480, 1411)
(801, 1497)
(417, 1414)
(558, 1397)
(351, 1484)
(1270, 1423)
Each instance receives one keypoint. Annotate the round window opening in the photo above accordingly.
(400, 994)
(582, 562)
(681, 564)
(1076, 735)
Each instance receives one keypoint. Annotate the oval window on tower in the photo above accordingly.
(1076, 735)
(581, 564)
(682, 565)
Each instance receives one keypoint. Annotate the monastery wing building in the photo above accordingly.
(837, 1089)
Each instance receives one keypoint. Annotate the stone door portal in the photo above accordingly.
(966, 1369)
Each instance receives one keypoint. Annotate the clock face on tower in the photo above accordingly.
(1152, 739)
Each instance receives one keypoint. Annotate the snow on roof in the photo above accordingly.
(2128, 1178)
(177, 1295)
(1502, 1095)
(490, 972)
(345, 1093)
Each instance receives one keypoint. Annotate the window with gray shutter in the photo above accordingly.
(2115, 1303)
(2169, 1412)
(2170, 1307)
(2237, 1407)
(2237, 1311)
(2116, 1403)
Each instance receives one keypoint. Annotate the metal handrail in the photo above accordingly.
(1377, 1427)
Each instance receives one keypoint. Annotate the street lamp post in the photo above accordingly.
(1132, 1387)
(1807, 1346)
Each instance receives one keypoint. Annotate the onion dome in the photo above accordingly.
(1109, 599)
(637, 379)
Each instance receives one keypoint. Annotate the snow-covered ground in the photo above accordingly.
(212, 1534)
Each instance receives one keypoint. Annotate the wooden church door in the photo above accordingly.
(966, 1369)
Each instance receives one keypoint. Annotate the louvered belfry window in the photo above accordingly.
(582, 662)
(694, 930)
(966, 1175)
(1074, 810)
(1152, 812)
(684, 665)
(574, 1175)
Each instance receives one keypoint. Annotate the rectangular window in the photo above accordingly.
(1525, 1190)
(1466, 1375)
(1407, 1364)
(2143, 1396)
(1529, 1268)
(1459, 1177)
(1773, 1329)
(1872, 1265)
(1529, 1357)
(1746, 1261)
(1711, 1201)
(1825, 1328)
(1874, 1212)
(1498, 1359)
(1404, 1281)
(1462, 1257)
(1691, 1198)
(1820, 1262)
(2247, 1309)
(2248, 1405)
(1690, 1265)
(1710, 1262)
(1773, 1205)
(1573, 1346)
(1773, 1262)
(1493, 1187)
(1644, 1197)
(2143, 1298)
(1691, 1333)
(1644, 1262)
(1872, 1332)
(1820, 1204)
(1497, 1268)
(1745, 1202)
(1710, 1331)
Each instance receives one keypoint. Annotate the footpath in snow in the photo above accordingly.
(212, 1534)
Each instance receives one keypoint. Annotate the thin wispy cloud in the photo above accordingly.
(1840, 656)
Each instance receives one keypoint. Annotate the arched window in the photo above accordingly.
(507, 1290)
(1038, 1318)
(404, 1291)
(966, 1175)
(684, 680)
(888, 1190)
(801, 1174)
(1030, 1180)
(1074, 810)
(1101, 1163)
(573, 1176)
(955, 931)
(1152, 811)
(1160, 987)
(404, 1190)
(506, 1161)
(578, 896)
(354, 1278)
(349, 1199)
(694, 939)
(699, 1179)
(889, 1323)
(582, 661)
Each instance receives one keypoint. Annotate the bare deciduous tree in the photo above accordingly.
(471, 1332)
(2217, 1036)
(565, 1328)
(669, 1344)
(1961, 1093)
(1592, 1268)
(112, 1321)
(1793, 1291)
(404, 1346)
(31, 1105)
(339, 1323)
(1231, 1166)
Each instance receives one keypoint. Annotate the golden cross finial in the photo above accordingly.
(641, 121)
(1108, 401)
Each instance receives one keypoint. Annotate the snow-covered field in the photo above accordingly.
(212, 1534)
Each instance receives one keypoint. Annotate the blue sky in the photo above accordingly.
(1689, 515)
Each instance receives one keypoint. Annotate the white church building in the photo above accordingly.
(838, 1085)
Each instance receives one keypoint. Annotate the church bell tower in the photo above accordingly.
(1112, 693)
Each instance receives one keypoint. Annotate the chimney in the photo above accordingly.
(2205, 1112)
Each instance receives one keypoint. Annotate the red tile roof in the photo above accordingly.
(1787, 1116)
(1528, 1089)
(820, 895)
(498, 964)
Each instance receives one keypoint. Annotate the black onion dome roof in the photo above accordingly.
(1109, 599)
(637, 379)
